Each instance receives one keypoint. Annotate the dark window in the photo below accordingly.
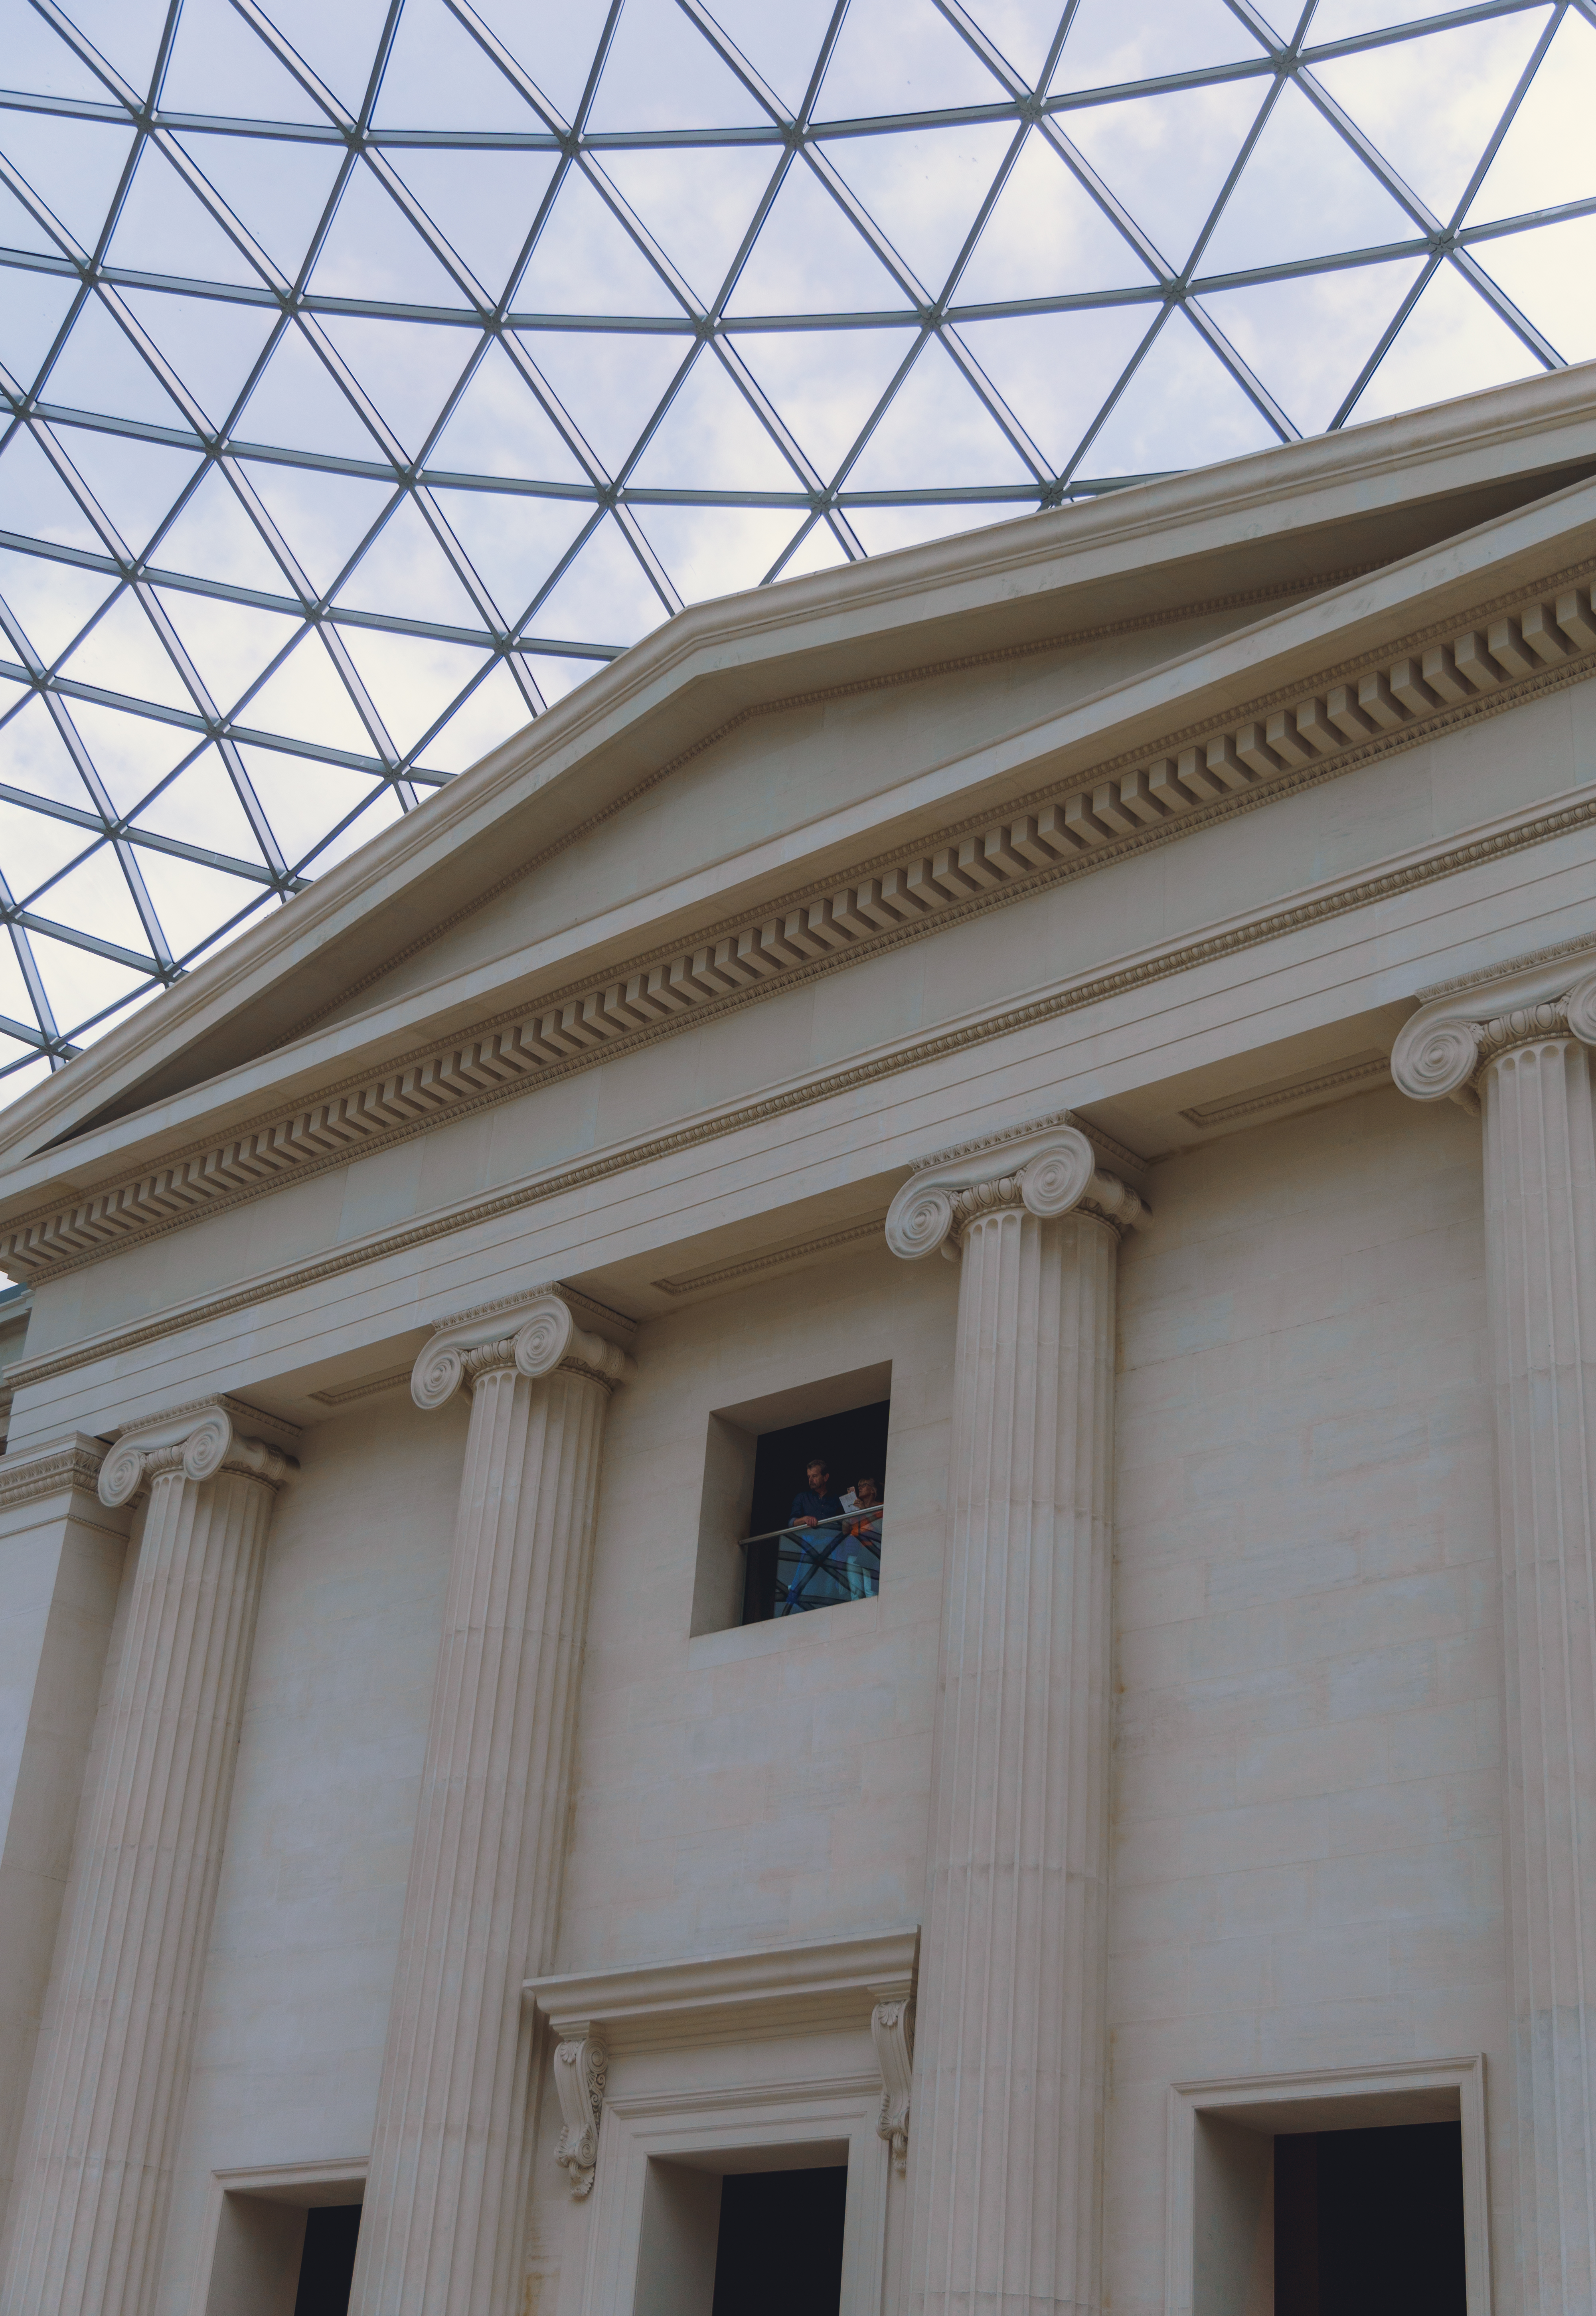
(851, 1446)
(779, 2248)
(1370, 2223)
(327, 2264)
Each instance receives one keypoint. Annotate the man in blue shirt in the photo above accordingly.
(802, 1584)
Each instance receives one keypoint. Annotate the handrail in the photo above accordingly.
(822, 1520)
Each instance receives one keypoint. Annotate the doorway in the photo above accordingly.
(779, 2245)
(1370, 2223)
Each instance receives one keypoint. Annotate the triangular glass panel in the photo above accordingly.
(514, 540)
(127, 33)
(483, 721)
(305, 699)
(280, 206)
(1166, 157)
(129, 752)
(437, 77)
(781, 44)
(228, 642)
(122, 652)
(413, 681)
(212, 346)
(218, 66)
(661, 73)
(1391, 93)
(202, 806)
(322, 517)
(710, 431)
(499, 427)
(33, 847)
(1055, 370)
(935, 432)
(36, 305)
(1550, 275)
(585, 262)
(34, 500)
(1545, 157)
(610, 386)
(811, 258)
(604, 598)
(1110, 45)
(1181, 409)
(80, 985)
(405, 574)
(213, 534)
(1452, 343)
(300, 406)
(22, 1079)
(712, 551)
(408, 368)
(883, 529)
(556, 678)
(817, 549)
(483, 204)
(304, 799)
(901, 56)
(1046, 237)
(554, 46)
(165, 229)
(697, 203)
(373, 251)
(93, 898)
(338, 44)
(39, 60)
(382, 809)
(1306, 338)
(75, 166)
(100, 368)
(34, 756)
(925, 187)
(1303, 193)
(1022, 30)
(824, 384)
(193, 902)
(1343, 20)
(21, 229)
(135, 482)
(53, 600)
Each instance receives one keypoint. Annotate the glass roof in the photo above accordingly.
(373, 370)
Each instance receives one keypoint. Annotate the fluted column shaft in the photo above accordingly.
(1540, 1230)
(442, 2228)
(106, 2100)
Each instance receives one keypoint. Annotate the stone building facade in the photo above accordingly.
(1110, 997)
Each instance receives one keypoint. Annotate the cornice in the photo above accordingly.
(1093, 989)
(962, 870)
(693, 2000)
(28, 1479)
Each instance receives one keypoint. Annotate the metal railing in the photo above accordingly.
(789, 1570)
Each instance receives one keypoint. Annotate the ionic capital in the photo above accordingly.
(1442, 1050)
(199, 1439)
(1048, 1171)
(534, 1336)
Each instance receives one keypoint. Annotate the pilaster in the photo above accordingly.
(1006, 2153)
(1520, 1049)
(105, 2101)
(445, 2197)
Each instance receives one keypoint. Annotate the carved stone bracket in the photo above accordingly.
(581, 2068)
(1048, 1171)
(199, 1439)
(892, 2030)
(534, 1336)
(1442, 1049)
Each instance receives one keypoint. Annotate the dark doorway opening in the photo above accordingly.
(326, 2265)
(852, 1446)
(779, 2248)
(1371, 2222)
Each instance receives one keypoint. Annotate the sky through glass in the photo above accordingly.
(373, 370)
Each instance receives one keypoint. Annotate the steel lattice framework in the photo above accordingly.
(371, 369)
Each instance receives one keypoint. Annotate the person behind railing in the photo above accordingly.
(859, 1559)
(806, 1565)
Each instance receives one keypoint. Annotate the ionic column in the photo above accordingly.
(105, 2102)
(441, 2230)
(1519, 1051)
(1006, 2136)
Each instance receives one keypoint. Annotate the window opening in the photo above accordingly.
(326, 2265)
(1370, 2223)
(815, 1537)
(779, 2249)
